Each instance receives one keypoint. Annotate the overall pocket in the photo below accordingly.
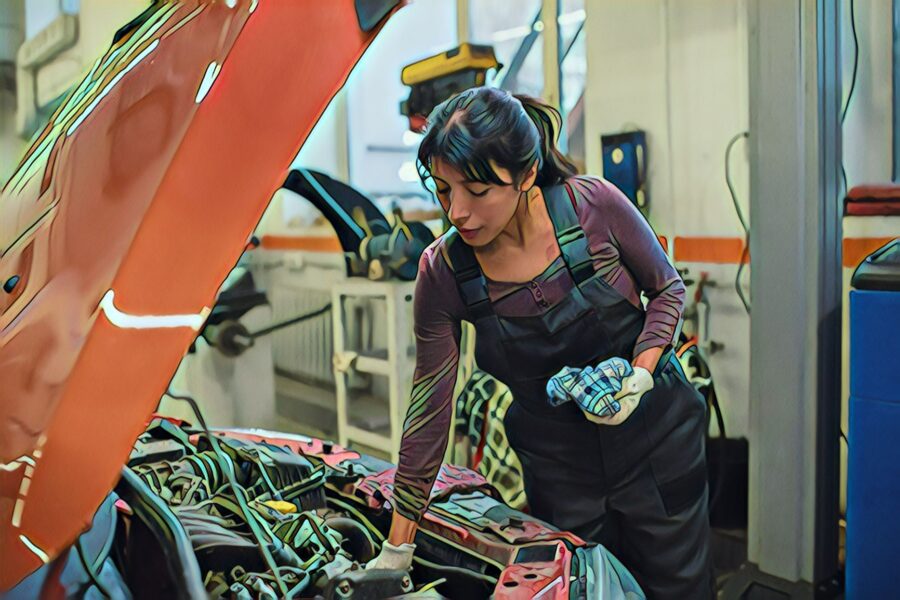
(677, 430)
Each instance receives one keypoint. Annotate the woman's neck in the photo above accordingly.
(526, 224)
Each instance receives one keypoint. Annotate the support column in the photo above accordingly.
(463, 28)
(552, 93)
(795, 330)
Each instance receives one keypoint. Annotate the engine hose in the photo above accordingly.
(368, 524)
(360, 544)
(89, 568)
(152, 510)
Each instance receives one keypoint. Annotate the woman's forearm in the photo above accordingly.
(648, 359)
(403, 530)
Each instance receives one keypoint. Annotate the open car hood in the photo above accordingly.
(122, 221)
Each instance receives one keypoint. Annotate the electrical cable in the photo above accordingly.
(238, 493)
(852, 85)
(432, 585)
(292, 321)
(855, 60)
(844, 114)
(740, 214)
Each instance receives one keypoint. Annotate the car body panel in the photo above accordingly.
(122, 221)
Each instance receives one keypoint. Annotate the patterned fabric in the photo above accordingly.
(480, 409)
(624, 250)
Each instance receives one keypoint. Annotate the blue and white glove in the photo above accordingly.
(592, 388)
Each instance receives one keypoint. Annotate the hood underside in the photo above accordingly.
(122, 221)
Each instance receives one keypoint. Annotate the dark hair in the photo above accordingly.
(484, 124)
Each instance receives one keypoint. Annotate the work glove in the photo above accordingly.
(633, 389)
(393, 557)
(592, 388)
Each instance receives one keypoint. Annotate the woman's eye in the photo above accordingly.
(481, 193)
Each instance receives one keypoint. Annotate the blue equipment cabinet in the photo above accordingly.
(873, 472)
(625, 165)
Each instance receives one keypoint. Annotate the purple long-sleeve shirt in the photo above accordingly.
(625, 251)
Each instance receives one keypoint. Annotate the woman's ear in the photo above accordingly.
(529, 178)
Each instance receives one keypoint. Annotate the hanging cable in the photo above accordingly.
(292, 321)
(846, 184)
(852, 86)
(740, 214)
(855, 60)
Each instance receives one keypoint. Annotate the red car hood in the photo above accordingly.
(123, 220)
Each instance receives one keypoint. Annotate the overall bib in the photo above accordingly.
(638, 488)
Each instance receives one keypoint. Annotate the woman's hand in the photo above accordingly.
(610, 392)
(634, 386)
(592, 388)
(397, 550)
(633, 389)
(393, 557)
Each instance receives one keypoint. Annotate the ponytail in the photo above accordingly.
(481, 127)
(553, 166)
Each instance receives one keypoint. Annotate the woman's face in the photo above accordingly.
(480, 211)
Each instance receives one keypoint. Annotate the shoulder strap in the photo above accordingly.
(469, 278)
(560, 201)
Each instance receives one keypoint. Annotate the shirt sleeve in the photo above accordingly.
(640, 253)
(437, 312)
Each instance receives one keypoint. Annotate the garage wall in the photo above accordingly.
(679, 71)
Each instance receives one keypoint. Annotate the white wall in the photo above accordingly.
(326, 148)
(867, 128)
(418, 30)
(679, 71)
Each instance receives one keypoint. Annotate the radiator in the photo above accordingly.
(303, 350)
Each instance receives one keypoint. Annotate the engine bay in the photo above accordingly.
(247, 514)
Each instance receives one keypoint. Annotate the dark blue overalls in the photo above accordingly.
(638, 488)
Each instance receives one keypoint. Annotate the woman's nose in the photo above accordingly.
(458, 212)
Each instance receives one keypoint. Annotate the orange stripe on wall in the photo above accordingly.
(718, 250)
(856, 249)
(714, 250)
(300, 242)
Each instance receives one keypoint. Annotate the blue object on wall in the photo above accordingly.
(873, 470)
(625, 165)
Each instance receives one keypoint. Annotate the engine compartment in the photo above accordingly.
(248, 514)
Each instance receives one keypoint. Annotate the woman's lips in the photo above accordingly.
(469, 233)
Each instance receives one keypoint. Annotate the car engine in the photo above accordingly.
(246, 514)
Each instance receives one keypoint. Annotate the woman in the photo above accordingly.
(549, 267)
